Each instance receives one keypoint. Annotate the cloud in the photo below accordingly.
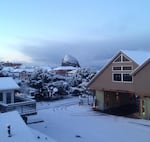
(89, 53)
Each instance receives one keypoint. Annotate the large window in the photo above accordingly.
(117, 77)
(120, 77)
(127, 77)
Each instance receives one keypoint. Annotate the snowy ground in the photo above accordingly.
(66, 121)
(19, 132)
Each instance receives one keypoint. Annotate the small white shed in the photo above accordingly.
(7, 90)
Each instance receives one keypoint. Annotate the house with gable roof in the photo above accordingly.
(7, 88)
(11, 100)
(115, 84)
(22, 73)
(141, 87)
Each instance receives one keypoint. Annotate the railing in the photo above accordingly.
(24, 108)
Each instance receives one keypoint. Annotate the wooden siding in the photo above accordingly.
(142, 81)
(104, 80)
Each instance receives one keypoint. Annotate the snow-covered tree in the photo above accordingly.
(80, 80)
(1, 73)
(51, 85)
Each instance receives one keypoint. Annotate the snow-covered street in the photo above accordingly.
(66, 121)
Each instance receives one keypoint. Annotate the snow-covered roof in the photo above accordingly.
(65, 68)
(20, 132)
(7, 83)
(72, 72)
(8, 69)
(138, 56)
(46, 68)
(25, 69)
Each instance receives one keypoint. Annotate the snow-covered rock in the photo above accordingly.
(69, 60)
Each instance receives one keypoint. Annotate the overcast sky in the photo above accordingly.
(43, 31)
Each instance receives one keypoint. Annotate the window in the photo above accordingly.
(121, 58)
(118, 59)
(122, 77)
(116, 68)
(117, 77)
(119, 68)
(1, 96)
(127, 77)
(125, 59)
(127, 68)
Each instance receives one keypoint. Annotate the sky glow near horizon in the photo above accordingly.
(43, 31)
(10, 54)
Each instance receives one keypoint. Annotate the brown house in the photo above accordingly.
(114, 85)
(141, 87)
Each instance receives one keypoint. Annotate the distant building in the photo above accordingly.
(64, 70)
(10, 64)
(22, 73)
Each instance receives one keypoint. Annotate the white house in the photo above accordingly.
(10, 101)
(7, 90)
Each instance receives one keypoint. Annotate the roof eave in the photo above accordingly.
(134, 73)
(103, 69)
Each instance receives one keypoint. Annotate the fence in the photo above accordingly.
(24, 108)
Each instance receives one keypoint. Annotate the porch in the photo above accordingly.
(144, 105)
(24, 106)
(118, 103)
